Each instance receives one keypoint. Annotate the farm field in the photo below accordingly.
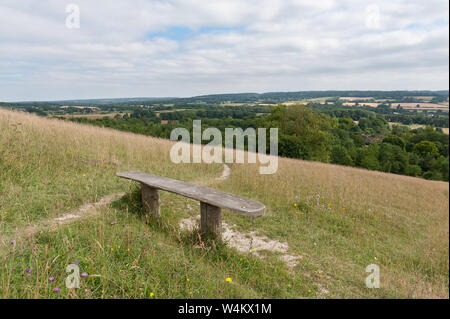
(92, 116)
(422, 106)
(415, 126)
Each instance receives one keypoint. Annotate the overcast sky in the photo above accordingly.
(143, 48)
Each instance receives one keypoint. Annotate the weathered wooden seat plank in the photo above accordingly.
(212, 200)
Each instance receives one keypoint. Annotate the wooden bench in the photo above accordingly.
(211, 200)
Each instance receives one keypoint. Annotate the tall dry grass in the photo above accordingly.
(338, 219)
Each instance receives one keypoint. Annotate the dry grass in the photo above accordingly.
(361, 217)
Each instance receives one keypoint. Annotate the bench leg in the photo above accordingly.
(211, 220)
(150, 200)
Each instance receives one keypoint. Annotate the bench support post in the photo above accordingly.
(150, 200)
(211, 220)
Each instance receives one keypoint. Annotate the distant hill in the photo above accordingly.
(248, 97)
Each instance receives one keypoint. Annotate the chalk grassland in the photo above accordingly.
(336, 219)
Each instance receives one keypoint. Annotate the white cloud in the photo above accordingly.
(138, 48)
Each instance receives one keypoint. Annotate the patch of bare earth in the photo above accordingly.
(86, 210)
(225, 173)
(247, 242)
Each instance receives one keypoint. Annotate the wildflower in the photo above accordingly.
(48, 267)
(112, 248)
(27, 271)
(187, 279)
(118, 247)
(309, 290)
(51, 278)
(329, 205)
(228, 279)
(84, 175)
(113, 223)
(75, 263)
(126, 265)
(128, 249)
(152, 294)
(84, 274)
(56, 289)
(103, 292)
(190, 292)
(13, 242)
(254, 249)
(295, 204)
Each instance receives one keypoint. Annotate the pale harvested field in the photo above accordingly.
(423, 106)
(94, 116)
(415, 126)
(350, 98)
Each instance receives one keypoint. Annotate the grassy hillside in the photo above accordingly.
(337, 220)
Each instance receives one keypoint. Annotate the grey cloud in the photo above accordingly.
(269, 46)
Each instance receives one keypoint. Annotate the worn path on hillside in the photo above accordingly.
(87, 210)
(244, 242)
(84, 211)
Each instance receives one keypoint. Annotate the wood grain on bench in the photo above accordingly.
(212, 200)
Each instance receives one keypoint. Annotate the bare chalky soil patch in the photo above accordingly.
(247, 242)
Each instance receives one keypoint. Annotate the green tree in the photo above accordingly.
(426, 148)
(339, 155)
